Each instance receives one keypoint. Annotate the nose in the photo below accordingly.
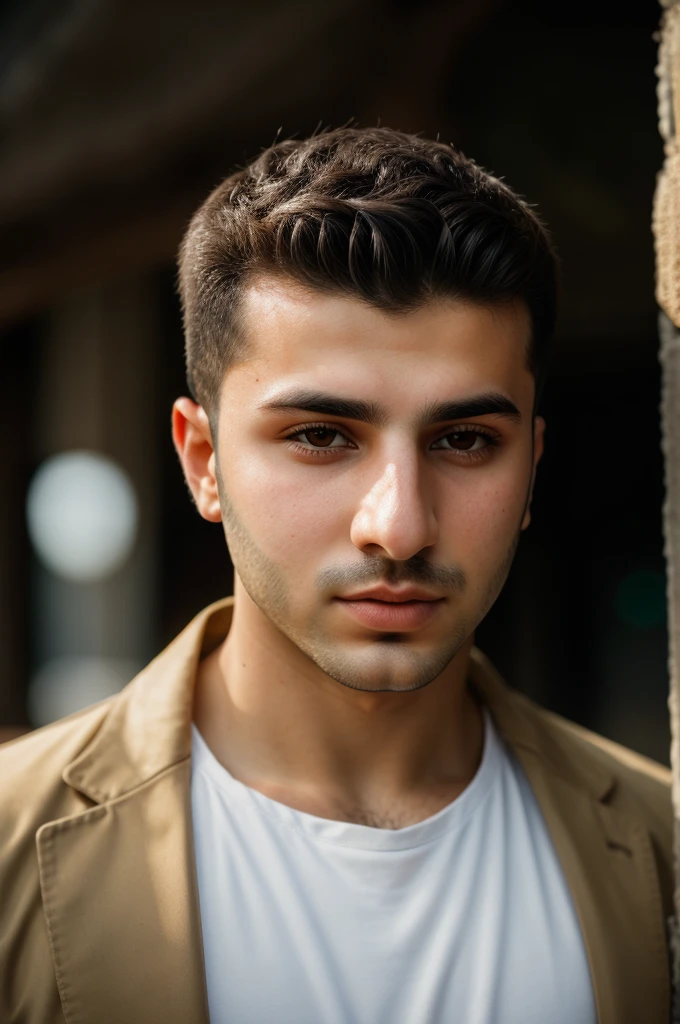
(396, 519)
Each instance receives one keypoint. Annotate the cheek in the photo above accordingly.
(288, 514)
(483, 514)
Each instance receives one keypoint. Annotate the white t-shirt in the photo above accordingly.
(463, 918)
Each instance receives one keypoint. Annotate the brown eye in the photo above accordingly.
(473, 441)
(320, 437)
(463, 440)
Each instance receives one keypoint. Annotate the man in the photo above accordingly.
(320, 803)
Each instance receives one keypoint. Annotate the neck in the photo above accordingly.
(282, 726)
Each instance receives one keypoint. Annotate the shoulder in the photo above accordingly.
(638, 778)
(31, 767)
(579, 755)
(53, 745)
(635, 768)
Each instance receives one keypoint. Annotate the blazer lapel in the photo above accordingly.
(120, 900)
(608, 862)
(606, 855)
(118, 880)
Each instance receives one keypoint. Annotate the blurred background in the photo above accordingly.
(116, 119)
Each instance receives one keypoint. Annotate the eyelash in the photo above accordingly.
(468, 456)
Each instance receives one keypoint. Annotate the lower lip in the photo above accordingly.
(392, 616)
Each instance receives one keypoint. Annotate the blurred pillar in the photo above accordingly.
(18, 360)
(667, 240)
(98, 393)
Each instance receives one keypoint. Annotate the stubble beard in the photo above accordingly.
(387, 663)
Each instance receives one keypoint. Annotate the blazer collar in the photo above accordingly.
(148, 728)
(516, 719)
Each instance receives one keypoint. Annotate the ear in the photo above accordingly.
(539, 434)
(193, 442)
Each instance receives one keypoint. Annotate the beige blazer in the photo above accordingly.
(99, 917)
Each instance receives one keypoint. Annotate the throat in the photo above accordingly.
(394, 819)
(399, 813)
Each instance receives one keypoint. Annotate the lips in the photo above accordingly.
(392, 595)
(391, 610)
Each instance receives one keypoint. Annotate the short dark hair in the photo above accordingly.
(390, 218)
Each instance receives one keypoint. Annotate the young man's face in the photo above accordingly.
(365, 458)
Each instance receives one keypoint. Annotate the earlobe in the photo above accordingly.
(192, 438)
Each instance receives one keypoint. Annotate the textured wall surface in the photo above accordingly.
(667, 243)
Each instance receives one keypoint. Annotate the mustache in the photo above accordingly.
(375, 569)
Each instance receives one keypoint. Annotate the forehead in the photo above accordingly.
(300, 336)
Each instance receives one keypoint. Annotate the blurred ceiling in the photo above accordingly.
(117, 116)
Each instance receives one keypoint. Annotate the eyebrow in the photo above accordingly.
(489, 403)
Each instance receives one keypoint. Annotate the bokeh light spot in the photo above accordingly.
(82, 515)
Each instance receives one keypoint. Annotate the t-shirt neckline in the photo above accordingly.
(349, 834)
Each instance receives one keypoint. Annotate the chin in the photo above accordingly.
(391, 664)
